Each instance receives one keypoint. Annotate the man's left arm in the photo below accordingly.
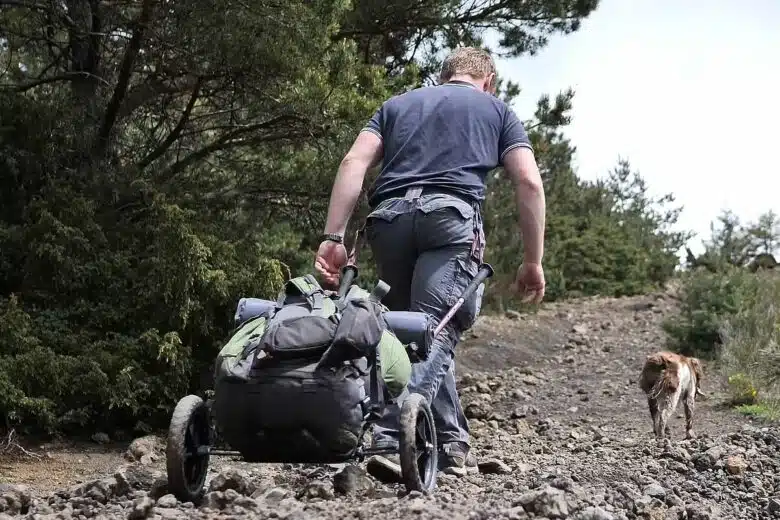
(365, 153)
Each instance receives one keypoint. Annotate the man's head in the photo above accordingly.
(470, 64)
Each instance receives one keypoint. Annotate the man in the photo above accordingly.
(436, 145)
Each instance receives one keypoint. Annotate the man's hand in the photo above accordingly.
(331, 257)
(530, 282)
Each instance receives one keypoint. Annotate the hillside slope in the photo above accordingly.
(559, 424)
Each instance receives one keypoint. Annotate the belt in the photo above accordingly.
(417, 191)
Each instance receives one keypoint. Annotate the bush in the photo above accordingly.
(116, 382)
(733, 317)
(707, 299)
(111, 320)
(743, 389)
(751, 343)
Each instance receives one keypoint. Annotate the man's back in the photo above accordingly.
(449, 136)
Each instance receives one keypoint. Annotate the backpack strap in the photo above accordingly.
(310, 289)
(306, 285)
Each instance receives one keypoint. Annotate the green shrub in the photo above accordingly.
(743, 389)
(115, 382)
(750, 354)
(111, 321)
(706, 300)
(733, 317)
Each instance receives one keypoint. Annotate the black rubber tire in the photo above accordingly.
(188, 431)
(417, 447)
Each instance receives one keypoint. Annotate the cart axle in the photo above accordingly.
(208, 450)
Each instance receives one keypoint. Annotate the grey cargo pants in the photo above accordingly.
(428, 248)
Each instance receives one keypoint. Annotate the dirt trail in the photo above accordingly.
(558, 422)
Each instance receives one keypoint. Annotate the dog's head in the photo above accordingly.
(698, 372)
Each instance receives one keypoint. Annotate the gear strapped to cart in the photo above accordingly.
(303, 378)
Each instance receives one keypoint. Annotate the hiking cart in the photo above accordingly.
(271, 427)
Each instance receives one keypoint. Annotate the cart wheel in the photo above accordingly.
(417, 445)
(187, 459)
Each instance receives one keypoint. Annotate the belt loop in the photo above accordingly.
(413, 193)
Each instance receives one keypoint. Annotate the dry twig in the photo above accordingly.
(10, 446)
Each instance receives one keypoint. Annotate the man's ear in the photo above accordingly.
(490, 83)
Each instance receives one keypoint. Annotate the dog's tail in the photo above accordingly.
(658, 375)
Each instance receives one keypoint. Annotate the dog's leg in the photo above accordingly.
(653, 405)
(689, 404)
(672, 408)
(668, 405)
(662, 416)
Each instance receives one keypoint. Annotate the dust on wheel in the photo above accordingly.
(417, 445)
(186, 460)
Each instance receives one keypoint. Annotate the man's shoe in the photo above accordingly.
(385, 468)
(456, 459)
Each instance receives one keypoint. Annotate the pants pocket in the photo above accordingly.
(445, 226)
(465, 271)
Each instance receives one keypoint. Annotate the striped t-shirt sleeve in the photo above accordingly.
(374, 124)
(513, 134)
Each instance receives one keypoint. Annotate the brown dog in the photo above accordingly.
(667, 377)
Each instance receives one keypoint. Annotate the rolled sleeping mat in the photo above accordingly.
(249, 308)
(409, 326)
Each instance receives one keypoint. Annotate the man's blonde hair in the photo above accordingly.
(473, 61)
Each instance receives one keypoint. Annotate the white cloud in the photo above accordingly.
(688, 92)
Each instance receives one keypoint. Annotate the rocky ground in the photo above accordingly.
(560, 428)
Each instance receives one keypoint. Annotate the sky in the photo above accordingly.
(687, 91)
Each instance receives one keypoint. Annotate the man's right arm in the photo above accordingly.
(517, 157)
(520, 165)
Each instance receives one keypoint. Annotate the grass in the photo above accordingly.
(767, 411)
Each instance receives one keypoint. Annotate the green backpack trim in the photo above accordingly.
(233, 352)
(250, 330)
(395, 368)
(308, 287)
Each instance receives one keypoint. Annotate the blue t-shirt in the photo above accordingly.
(447, 136)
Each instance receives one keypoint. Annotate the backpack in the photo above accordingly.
(291, 382)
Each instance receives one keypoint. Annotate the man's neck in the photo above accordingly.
(465, 78)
